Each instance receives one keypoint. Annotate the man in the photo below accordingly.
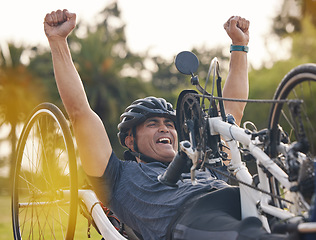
(147, 128)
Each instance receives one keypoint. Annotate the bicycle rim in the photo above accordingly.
(298, 84)
(45, 192)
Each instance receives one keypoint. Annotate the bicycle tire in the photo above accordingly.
(299, 83)
(40, 206)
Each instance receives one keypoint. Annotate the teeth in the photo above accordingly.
(164, 140)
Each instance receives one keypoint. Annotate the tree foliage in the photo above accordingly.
(292, 13)
(19, 92)
(171, 82)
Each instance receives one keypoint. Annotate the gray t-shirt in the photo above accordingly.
(135, 195)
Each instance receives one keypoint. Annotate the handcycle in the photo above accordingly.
(45, 192)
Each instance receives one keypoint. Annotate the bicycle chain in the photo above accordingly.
(248, 185)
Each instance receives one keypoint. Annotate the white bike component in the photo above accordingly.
(234, 133)
(252, 201)
(104, 225)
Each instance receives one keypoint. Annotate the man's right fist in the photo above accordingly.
(59, 23)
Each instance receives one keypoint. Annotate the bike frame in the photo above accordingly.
(254, 202)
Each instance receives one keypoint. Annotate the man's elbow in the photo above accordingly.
(77, 112)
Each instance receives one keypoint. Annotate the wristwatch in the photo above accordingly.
(239, 48)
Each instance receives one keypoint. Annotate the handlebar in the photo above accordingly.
(178, 165)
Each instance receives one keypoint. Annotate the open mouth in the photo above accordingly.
(164, 140)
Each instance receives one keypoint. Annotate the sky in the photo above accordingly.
(163, 27)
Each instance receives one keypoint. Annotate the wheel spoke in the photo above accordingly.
(299, 84)
(42, 172)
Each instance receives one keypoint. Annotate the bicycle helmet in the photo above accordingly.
(140, 110)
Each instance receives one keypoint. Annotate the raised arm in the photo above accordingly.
(236, 85)
(92, 140)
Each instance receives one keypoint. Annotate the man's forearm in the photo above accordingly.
(67, 78)
(236, 85)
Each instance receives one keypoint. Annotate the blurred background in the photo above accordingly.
(124, 50)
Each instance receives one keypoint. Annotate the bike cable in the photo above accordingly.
(247, 184)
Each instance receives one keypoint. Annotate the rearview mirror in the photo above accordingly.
(187, 63)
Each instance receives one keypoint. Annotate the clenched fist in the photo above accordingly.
(58, 24)
(237, 29)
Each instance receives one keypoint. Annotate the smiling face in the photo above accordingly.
(157, 138)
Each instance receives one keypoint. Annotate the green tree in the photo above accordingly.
(19, 92)
(41, 67)
(291, 15)
(166, 77)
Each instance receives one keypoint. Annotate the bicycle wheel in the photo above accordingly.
(45, 192)
(299, 83)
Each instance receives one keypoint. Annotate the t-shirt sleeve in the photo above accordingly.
(104, 186)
